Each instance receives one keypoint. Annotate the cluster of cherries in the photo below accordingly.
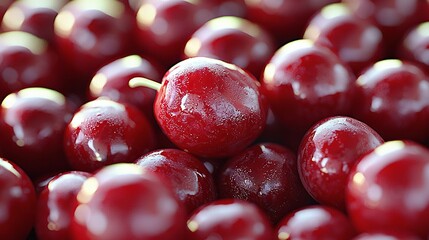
(214, 119)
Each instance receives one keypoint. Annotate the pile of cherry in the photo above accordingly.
(214, 119)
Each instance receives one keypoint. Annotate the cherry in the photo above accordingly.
(327, 153)
(414, 47)
(265, 174)
(389, 189)
(305, 83)
(234, 40)
(125, 201)
(17, 201)
(208, 107)
(27, 61)
(104, 132)
(191, 181)
(315, 222)
(54, 213)
(229, 219)
(32, 123)
(391, 235)
(391, 97)
(355, 41)
(287, 19)
(111, 81)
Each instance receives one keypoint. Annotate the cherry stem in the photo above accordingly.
(144, 82)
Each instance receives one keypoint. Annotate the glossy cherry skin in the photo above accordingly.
(314, 223)
(104, 132)
(111, 81)
(27, 61)
(164, 27)
(265, 174)
(415, 46)
(54, 205)
(210, 108)
(125, 201)
(392, 98)
(394, 18)
(389, 235)
(389, 189)
(327, 154)
(356, 42)
(17, 201)
(32, 124)
(233, 40)
(90, 34)
(285, 20)
(35, 17)
(191, 181)
(229, 219)
(305, 83)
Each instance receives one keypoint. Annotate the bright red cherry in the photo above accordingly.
(392, 98)
(389, 235)
(27, 61)
(104, 132)
(415, 46)
(17, 201)
(125, 201)
(305, 83)
(190, 180)
(111, 81)
(54, 205)
(314, 223)
(265, 174)
(287, 19)
(389, 189)
(32, 125)
(356, 42)
(229, 219)
(327, 154)
(208, 107)
(233, 40)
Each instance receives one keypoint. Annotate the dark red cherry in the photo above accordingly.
(104, 132)
(265, 174)
(392, 98)
(54, 206)
(111, 81)
(27, 61)
(17, 201)
(229, 219)
(32, 124)
(125, 201)
(190, 180)
(327, 153)
(389, 189)
(415, 46)
(314, 223)
(287, 19)
(233, 40)
(4, 5)
(208, 107)
(389, 235)
(225, 7)
(305, 83)
(356, 42)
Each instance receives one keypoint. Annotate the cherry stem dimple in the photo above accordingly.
(144, 82)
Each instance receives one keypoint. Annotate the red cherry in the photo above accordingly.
(391, 97)
(356, 42)
(389, 189)
(305, 83)
(414, 47)
(233, 40)
(314, 223)
(229, 219)
(104, 132)
(327, 153)
(32, 123)
(191, 181)
(208, 107)
(390, 235)
(265, 174)
(124, 201)
(54, 211)
(17, 201)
